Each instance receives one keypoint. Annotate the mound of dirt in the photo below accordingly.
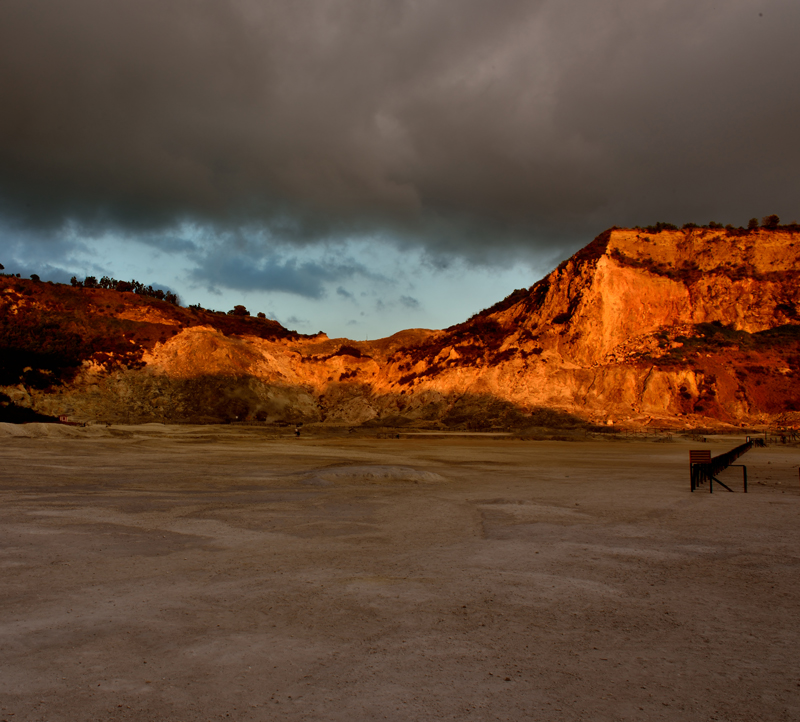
(369, 474)
(54, 431)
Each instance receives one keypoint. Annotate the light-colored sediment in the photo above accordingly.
(178, 573)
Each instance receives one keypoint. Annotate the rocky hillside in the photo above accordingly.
(678, 327)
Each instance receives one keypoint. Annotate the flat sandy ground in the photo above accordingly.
(188, 573)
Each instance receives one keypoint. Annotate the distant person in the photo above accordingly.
(297, 431)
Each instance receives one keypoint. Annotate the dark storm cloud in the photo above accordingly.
(45, 271)
(169, 243)
(294, 321)
(472, 128)
(273, 272)
(25, 251)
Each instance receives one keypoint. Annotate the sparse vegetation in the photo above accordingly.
(44, 345)
(134, 286)
(348, 351)
(343, 350)
(716, 336)
(47, 344)
(771, 223)
(474, 339)
(660, 226)
(688, 272)
(42, 352)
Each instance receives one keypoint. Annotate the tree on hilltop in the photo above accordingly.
(661, 226)
(770, 222)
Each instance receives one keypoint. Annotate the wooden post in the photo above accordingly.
(697, 457)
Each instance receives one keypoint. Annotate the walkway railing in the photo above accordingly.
(703, 468)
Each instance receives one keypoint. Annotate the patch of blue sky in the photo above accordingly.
(358, 288)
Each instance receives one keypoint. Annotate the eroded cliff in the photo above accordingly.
(681, 327)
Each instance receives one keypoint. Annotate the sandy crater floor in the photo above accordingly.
(192, 573)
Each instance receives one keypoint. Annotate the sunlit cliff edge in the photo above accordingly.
(686, 328)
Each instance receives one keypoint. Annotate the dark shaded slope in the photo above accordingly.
(48, 330)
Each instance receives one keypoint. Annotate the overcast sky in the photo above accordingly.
(363, 166)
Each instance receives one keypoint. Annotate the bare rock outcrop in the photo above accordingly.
(684, 327)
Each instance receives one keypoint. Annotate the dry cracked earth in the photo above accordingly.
(196, 573)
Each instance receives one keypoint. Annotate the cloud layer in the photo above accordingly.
(472, 129)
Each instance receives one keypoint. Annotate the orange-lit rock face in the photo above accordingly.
(616, 332)
(644, 282)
